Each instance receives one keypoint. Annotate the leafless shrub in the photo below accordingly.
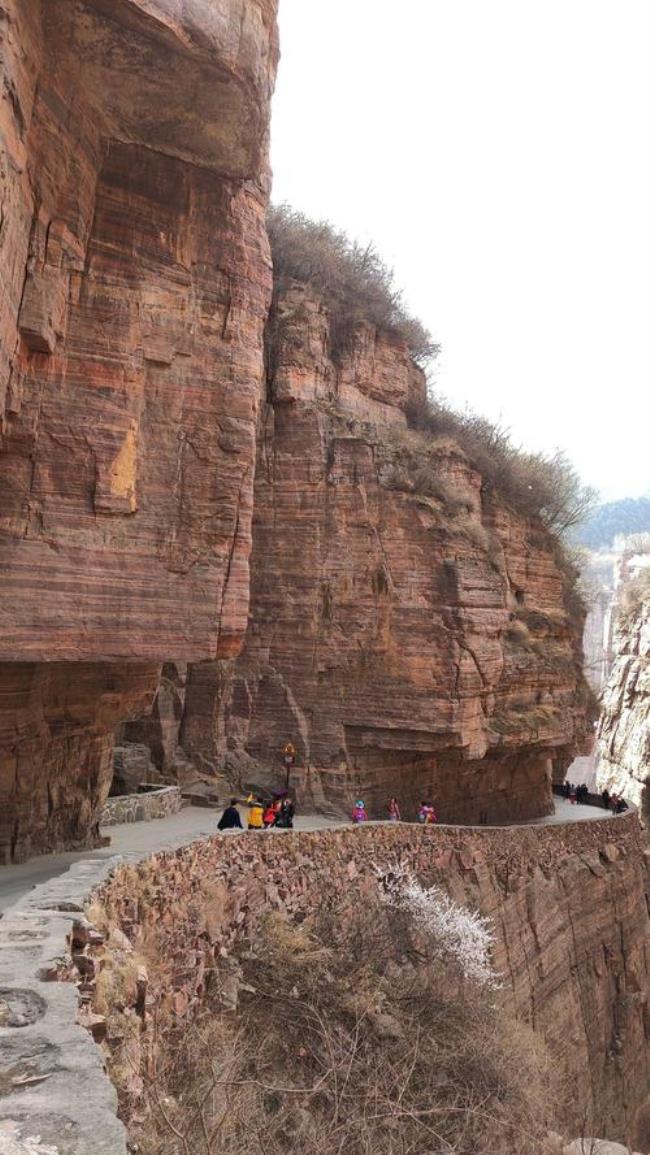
(353, 281)
(369, 1047)
(536, 484)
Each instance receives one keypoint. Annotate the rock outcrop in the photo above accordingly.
(410, 632)
(623, 749)
(159, 731)
(134, 287)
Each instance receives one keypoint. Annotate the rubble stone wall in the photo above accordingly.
(143, 807)
(568, 905)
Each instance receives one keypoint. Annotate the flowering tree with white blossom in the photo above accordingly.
(454, 931)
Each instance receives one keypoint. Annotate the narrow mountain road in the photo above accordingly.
(139, 839)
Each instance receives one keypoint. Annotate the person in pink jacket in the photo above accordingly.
(359, 814)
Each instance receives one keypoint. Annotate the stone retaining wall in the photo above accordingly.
(70, 1105)
(570, 917)
(142, 807)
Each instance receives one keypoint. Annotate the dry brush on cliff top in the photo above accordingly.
(352, 279)
(356, 285)
(543, 485)
(346, 1034)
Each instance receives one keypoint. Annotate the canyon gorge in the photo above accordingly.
(409, 628)
(231, 517)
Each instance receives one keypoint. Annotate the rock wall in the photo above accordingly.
(159, 731)
(56, 749)
(623, 748)
(134, 287)
(569, 911)
(409, 632)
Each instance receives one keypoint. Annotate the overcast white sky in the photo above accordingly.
(498, 153)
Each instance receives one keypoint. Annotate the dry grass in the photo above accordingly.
(365, 1047)
(535, 484)
(352, 280)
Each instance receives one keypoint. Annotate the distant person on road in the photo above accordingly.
(359, 814)
(621, 805)
(255, 813)
(393, 810)
(230, 819)
(284, 817)
(573, 794)
(426, 814)
(270, 814)
(566, 789)
(605, 799)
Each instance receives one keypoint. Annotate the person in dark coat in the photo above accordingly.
(285, 815)
(605, 799)
(230, 819)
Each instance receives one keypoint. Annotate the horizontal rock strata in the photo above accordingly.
(410, 632)
(134, 286)
(56, 749)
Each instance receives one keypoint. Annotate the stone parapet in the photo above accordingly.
(142, 807)
(567, 903)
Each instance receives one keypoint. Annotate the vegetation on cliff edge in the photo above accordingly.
(351, 1032)
(354, 282)
(356, 285)
(543, 485)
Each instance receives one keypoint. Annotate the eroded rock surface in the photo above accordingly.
(134, 286)
(56, 749)
(624, 732)
(410, 633)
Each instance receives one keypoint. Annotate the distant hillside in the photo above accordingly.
(630, 515)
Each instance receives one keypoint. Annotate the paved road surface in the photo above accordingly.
(139, 839)
(134, 840)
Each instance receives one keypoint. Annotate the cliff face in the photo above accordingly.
(134, 286)
(572, 938)
(409, 632)
(623, 749)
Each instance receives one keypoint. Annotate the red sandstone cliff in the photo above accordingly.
(134, 287)
(409, 630)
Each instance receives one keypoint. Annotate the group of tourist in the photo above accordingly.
(581, 794)
(278, 813)
(614, 802)
(426, 814)
(575, 794)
